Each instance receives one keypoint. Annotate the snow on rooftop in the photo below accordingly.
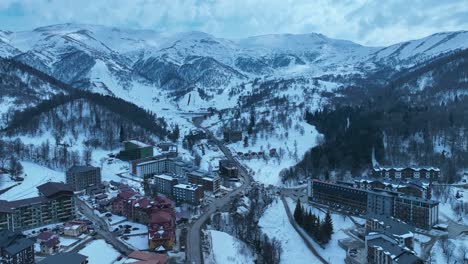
(139, 143)
(186, 186)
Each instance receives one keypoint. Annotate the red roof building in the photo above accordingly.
(161, 229)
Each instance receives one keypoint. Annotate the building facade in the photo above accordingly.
(134, 150)
(163, 184)
(418, 173)
(15, 248)
(228, 169)
(419, 212)
(383, 250)
(82, 177)
(54, 204)
(209, 182)
(339, 196)
(161, 229)
(188, 193)
(232, 135)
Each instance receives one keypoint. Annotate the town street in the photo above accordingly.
(194, 254)
(102, 229)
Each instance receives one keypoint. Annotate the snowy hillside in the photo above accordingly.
(122, 61)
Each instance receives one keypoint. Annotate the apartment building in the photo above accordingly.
(419, 212)
(188, 193)
(83, 177)
(209, 182)
(163, 184)
(54, 204)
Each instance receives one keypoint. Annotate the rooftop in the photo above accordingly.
(192, 187)
(165, 177)
(51, 188)
(64, 257)
(79, 169)
(397, 253)
(138, 143)
(404, 168)
(14, 242)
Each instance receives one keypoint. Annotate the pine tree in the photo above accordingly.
(16, 168)
(326, 228)
(298, 212)
(122, 136)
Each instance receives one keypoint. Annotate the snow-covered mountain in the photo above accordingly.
(131, 63)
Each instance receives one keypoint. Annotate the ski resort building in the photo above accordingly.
(134, 150)
(419, 212)
(164, 184)
(232, 136)
(54, 204)
(419, 173)
(188, 193)
(15, 248)
(209, 182)
(82, 177)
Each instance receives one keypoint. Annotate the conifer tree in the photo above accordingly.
(298, 212)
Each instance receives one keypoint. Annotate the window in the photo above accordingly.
(416, 175)
(398, 175)
(387, 174)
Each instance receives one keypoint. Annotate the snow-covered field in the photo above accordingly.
(34, 175)
(446, 207)
(139, 242)
(451, 251)
(99, 252)
(275, 224)
(226, 249)
(290, 141)
(332, 252)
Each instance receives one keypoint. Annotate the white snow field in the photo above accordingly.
(34, 175)
(228, 250)
(100, 252)
(275, 224)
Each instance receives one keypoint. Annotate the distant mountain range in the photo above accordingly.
(143, 66)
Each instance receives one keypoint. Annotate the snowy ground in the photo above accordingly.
(139, 242)
(6, 182)
(291, 143)
(267, 171)
(418, 240)
(446, 207)
(453, 251)
(34, 175)
(275, 224)
(98, 251)
(332, 252)
(141, 228)
(226, 249)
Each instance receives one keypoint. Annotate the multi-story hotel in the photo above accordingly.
(54, 204)
(82, 177)
(419, 212)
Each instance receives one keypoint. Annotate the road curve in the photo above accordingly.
(194, 251)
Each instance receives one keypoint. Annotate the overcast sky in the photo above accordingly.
(373, 23)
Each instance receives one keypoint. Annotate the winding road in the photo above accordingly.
(194, 251)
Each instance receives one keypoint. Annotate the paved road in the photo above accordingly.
(194, 252)
(103, 231)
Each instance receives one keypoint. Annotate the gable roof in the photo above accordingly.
(19, 245)
(45, 235)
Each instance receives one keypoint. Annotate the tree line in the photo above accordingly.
(319, 230)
